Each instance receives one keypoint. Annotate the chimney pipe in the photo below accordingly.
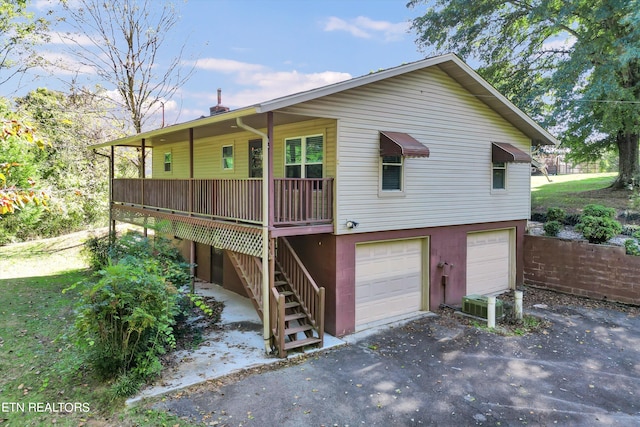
(218, 108)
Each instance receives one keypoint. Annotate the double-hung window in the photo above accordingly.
(304, 156)
(227, 157)
(392, 173)
(167, 161)
(499, 176)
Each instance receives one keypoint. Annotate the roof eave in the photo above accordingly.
(134, 140)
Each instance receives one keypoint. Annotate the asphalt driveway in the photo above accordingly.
(582, 370)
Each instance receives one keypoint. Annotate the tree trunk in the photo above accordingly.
(628, 166)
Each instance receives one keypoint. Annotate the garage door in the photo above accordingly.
(388, 279)
(488, 262)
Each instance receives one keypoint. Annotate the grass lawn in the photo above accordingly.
(43, 380)
(573, 192)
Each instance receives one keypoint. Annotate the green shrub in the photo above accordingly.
(598, 229)
(556, 214)
(631, 247)
(599, 211)
(126, 317)
(630, 230)
(552, 228)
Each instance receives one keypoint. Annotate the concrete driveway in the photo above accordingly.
(583, 370)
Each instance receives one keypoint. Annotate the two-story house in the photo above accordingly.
(354, 203)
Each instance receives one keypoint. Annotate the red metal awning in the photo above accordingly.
(401, 144)
(502, 152)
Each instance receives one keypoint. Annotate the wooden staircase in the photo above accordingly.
(296, 303)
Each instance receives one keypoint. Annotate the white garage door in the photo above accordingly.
(488, 262)
(388, 279)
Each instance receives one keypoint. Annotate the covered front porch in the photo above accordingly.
(212, 182)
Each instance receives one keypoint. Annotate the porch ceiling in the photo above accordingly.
(204, 127)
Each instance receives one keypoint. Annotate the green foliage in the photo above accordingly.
(556, 214)
(599, 211)
(125, 320)
(552, 228)
(130, 316)
(575, 65)
(631, 247)
(598, 229)
(19, 32)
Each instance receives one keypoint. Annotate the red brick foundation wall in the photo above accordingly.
(581, 268)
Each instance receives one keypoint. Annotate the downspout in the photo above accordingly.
(266, 333)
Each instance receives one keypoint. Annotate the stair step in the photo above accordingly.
(291, 304)
(301, 343)
(286, 293)
(297, 329)
(294, 316)
(280, 283)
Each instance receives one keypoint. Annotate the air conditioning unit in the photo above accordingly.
(476, 305)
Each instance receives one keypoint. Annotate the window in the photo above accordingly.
(227, 157)
(303, 157)
(167, 162)
(499, 176)
(391, 173)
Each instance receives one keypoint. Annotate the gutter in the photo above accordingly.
(266, 333)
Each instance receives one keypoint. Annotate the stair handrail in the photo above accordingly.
(277, 319)
(310, 295)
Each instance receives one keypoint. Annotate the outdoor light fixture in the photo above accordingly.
(351, 224)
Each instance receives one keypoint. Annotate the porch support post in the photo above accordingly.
(266, 291)
(112, 222)
(143, 168)
(192, 247)
(270, 169)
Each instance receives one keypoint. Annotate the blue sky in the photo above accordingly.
(256, 50)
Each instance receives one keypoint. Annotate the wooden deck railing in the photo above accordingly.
(311, 297)
(297, 200)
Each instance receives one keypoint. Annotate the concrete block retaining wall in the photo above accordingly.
(581, 268)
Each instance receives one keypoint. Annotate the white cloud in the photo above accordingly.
(254, 82)
(64, 64)
(224, 65)
(64, 38)
(367, 28)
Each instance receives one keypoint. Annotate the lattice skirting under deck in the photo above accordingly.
(245, 239)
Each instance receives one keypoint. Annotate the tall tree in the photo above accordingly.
(573, 64)
(20, 31)
(126, 38)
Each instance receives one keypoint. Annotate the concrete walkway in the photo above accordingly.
(235, 345)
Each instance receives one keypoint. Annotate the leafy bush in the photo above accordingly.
(127, 316)
(599, 211)
(631, 247)
(125, 319)
(630, 230)
(598, 229)
(552, 228)
(556, 214)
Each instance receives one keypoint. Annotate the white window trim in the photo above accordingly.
(303, 154)
(233, 154)
(506, 174)
(392, 193)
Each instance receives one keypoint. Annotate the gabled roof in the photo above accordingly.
(455, 68)
(254, 115)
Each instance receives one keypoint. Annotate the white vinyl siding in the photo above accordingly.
(451, 186)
